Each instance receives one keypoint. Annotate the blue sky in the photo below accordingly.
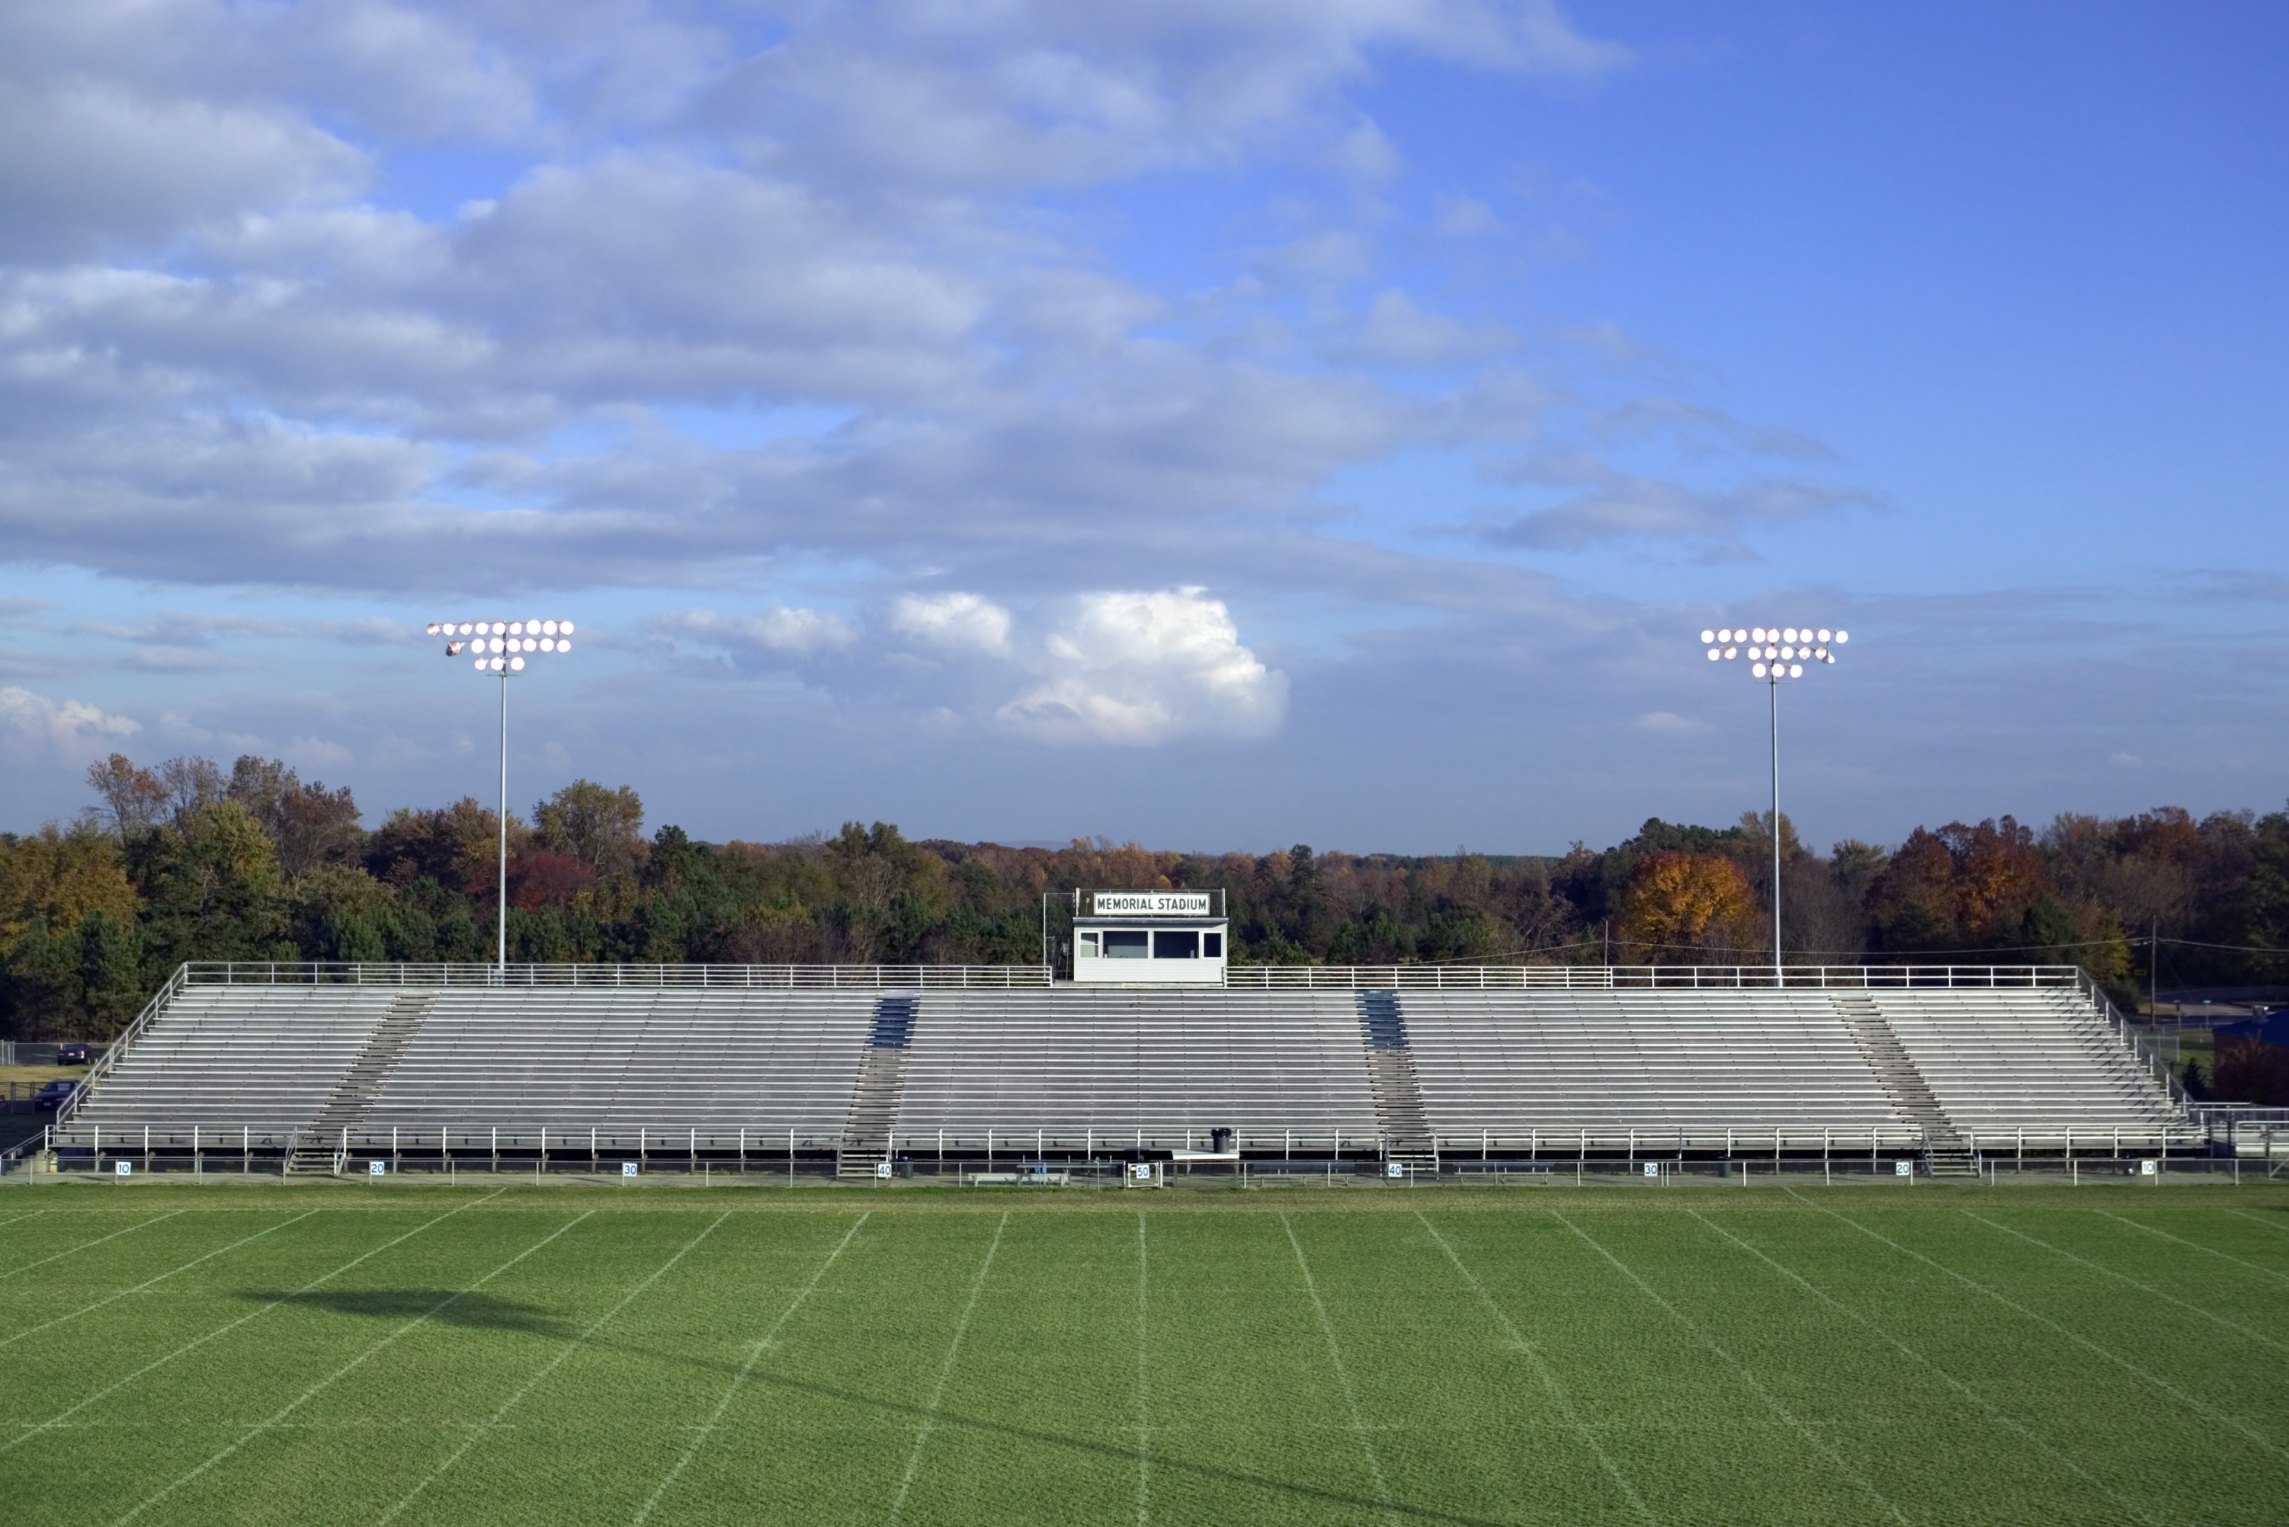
(1218, 426)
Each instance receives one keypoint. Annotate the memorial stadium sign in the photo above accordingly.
(1150, 903)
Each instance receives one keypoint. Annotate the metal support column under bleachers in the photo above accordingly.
(1945, 1152)
(881, 1082)
(323, 1143)
(1407, 1135)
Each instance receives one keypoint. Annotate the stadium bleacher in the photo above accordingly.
(1076, 1063)
(322, 1068)
(667, 1058)
(2000, 1062)
(1660, 1062)
(268, 1057)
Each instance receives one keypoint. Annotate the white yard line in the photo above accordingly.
(2255, 1219)
(2255, 1267)
(945, 1373)
(1342, 1374)
(2148, 1289)
(163, 1277)
(1144, 1388)
(2080, 1340)
(570, 1347)
(1542, 1370)
(84, 1245)
(339, 1374)
(11, 1219)
(1741, 1370)
(754, 1355)
(1952, 1382)
(265, 1308)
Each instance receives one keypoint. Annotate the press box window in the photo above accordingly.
(1089, 944)
(1212, 946)
(1125, 944)
(1183, 945)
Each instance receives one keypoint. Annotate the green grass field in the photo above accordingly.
(422, 1353)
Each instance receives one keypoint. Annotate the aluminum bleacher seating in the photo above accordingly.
(670, 1058)
(260, 1057)
(1553, 1063)
(2000, 1061)
(1167, 1066)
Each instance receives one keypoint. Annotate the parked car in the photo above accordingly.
(54, 1094)
(72, 1053)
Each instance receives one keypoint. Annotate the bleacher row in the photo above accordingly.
(1160, 1063)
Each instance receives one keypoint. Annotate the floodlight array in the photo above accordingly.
(500, 646)
(1775, 652)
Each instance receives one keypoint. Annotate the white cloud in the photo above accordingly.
(86, 163)
(1630, 507)
(36, 728)
(1141, 669)
(1461, 217)
(953, 622)
(1662, 723)
(784, 630)
(2127, 761)
(1398, 331)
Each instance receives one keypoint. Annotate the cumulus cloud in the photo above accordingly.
(37, 729)
(1662, 723)
(1141, 669)
(953, 622)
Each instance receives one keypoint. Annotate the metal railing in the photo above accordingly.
(106, 1062)
(2141, 1047)
(1639, 977)
(694, 977)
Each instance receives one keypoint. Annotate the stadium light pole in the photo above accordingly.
(1775, 653)
(500, 647)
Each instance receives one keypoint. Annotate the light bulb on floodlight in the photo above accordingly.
(1714, 654)
(517, 664)
(1732, 652)
(1825, 634)
(1757, 669)
(564, 628)
(1708, 637)
(1795, 671)
(1842, 637)
(562, 645)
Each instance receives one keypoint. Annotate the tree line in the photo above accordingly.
(186, 860)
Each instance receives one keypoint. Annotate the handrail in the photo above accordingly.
(1029, 977)
(110, 1058)
(1641, 977)
(2096, 996)
(708, 977)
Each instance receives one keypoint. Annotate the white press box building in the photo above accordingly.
(1150, 938)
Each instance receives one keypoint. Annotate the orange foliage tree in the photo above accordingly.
(1686, 909)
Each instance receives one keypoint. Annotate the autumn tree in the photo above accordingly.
(1686, 909)
(601, 828)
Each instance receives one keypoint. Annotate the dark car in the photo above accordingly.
(54, 1094)
(71, 1053)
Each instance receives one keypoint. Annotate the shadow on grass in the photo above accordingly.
(442, 1306)
(917, 1414)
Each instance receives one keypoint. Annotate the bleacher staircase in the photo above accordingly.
(317, 1147)
(1946, 1152)
(881, 1083)
(1398, 1091)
